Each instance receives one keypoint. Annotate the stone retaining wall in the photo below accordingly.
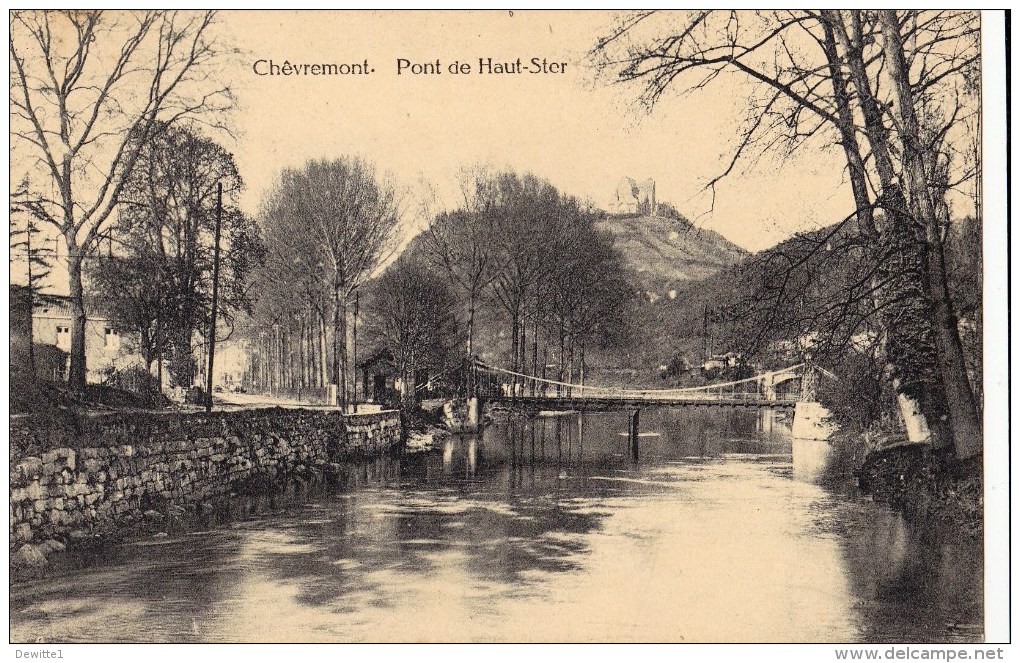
(103, 472)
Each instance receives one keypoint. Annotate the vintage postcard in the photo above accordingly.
(509, 326)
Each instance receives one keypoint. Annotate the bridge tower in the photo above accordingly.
(809, 382)
(810, 418)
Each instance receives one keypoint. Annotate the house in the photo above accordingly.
(105, 347)
(380, 380)
(720, 362)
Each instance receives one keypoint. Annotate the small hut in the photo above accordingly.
(379, 377)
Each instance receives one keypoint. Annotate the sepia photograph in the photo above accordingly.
(436, 326)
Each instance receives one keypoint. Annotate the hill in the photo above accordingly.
(666, 253)
(676, 329)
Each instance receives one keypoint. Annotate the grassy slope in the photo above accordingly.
(666, 253)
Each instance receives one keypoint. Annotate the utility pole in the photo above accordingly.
(215, 293)
(708, 347)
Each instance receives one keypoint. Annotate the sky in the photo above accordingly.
(581, 134)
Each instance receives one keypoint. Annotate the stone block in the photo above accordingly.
(91, 465)
(31, 492)
(23, 532)
(29, 555)
(26, 470)
(59, 458)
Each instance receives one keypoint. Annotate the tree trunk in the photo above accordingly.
(534, 353)
(340, 347)
(471, 325)
(264, 352)
(514, 319)
(77, 370)
(284, 369)
(31, 303)
(145, 350)
(323, 351)
(847, 131)
(408, 389)
(560, 375)
(291, 368)
(313, 351)
(271, 361)
(268, 349)
(912, 409)
(582, 369)
(303, 353)
(522, 359)
(278, 357)
(570, 365)
(963, 413)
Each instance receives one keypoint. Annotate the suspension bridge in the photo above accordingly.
(782, 388)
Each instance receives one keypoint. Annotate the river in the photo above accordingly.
(542, 529)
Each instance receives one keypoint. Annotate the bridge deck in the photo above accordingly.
(594, 403)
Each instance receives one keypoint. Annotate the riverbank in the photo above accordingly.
(927, 485)
(81, 479)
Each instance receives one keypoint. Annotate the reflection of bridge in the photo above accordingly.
(781, 388)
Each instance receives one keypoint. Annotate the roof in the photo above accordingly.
(59, 306)
(382, 355)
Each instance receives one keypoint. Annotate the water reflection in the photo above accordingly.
(544, 528)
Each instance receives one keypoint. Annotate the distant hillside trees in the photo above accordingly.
(667, 210)
(896, 92)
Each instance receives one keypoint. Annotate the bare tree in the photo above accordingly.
(87, 88)
(412, 312)
(459, 243)
(589, 297)
(816, 79)
(349, 217)
(918, 161)
(529, 219)
(293, 302)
